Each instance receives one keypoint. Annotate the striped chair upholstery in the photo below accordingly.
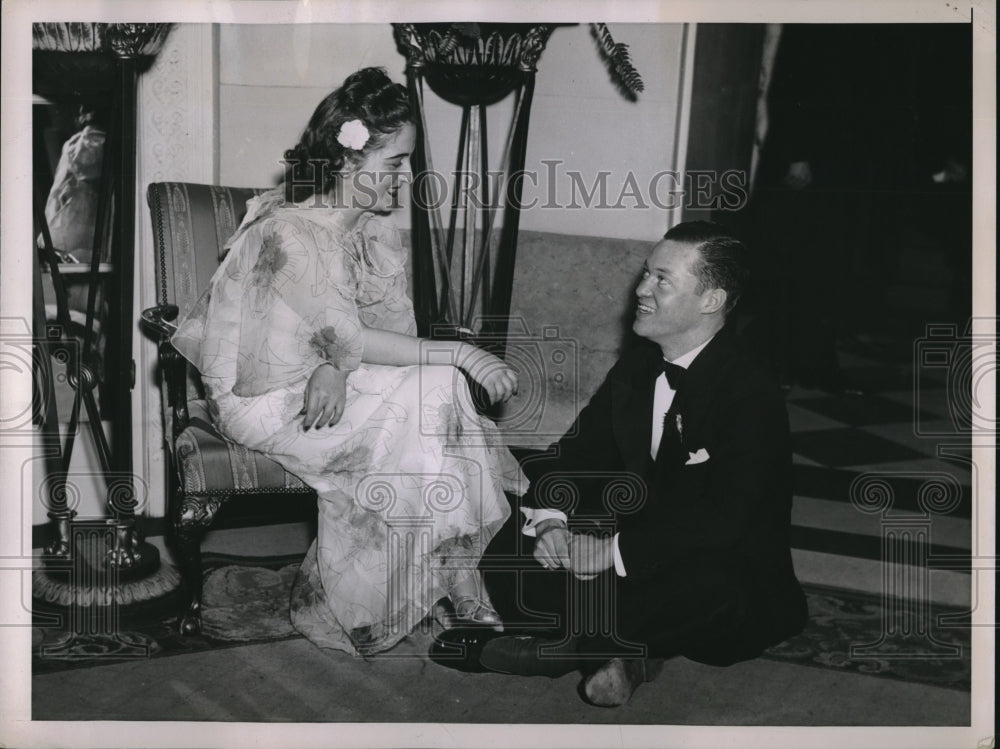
(210, 463)
(191, 224)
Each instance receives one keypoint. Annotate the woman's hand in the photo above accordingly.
(326, 394)
(552, 541)
(498, 380)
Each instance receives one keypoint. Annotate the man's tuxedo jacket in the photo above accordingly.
(731, 507)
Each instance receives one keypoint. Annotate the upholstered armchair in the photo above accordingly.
(190, 226)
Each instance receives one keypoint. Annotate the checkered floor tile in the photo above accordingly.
(865, 464)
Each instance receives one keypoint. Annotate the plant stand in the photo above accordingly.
(103, 563)
(463, 280)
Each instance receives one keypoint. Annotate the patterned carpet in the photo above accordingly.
(248, 603)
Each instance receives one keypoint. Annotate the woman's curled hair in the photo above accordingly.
(368, 95)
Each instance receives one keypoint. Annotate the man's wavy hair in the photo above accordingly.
(722, 258)
(368, 95)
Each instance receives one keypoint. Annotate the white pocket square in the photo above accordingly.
(695, 458)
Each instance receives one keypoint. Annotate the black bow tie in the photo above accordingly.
(675, 374)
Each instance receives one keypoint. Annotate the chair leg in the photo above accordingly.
(192, 517)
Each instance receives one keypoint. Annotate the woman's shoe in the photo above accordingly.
(474, 611)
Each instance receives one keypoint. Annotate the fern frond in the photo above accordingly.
(618, 60)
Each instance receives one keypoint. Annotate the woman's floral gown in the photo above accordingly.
(411, 480)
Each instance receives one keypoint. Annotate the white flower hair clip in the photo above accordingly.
(353, 134)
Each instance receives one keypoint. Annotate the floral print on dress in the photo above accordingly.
(338, 344)
(271, 260)
(292, 293)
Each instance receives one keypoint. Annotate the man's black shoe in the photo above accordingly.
(530, 656)
(460, 647)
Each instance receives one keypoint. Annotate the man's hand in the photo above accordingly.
(590, 555)
(552, 544)
(326, 394)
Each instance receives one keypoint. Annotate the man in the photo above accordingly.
(668, 503)
(837, 187)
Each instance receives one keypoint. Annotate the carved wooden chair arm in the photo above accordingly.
(159, 321)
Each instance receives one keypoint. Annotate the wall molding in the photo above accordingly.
(176, 141)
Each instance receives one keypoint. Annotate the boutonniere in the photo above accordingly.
(680, 427)
(700, 456)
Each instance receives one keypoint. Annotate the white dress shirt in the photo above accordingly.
(663, 396)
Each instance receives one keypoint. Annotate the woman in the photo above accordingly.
(306, 344)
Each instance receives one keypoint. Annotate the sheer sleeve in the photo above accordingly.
(384, 279)
(280, 305)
